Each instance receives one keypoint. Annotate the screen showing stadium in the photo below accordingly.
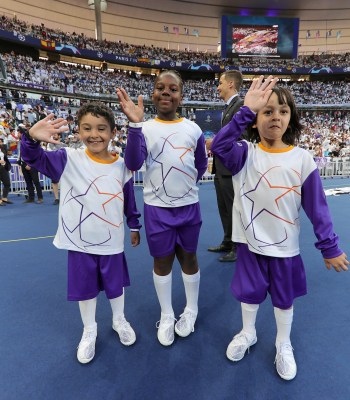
(272, 37)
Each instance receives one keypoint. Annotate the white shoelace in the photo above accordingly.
(124, 329)
(88, 336)
(166, 321)
(87, 344)
(284, 357)
(241, 345)
(187, 317)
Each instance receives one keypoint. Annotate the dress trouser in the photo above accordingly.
(5, 179)
(224, 194)
(31, 178)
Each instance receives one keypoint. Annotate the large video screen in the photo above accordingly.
(272, 37)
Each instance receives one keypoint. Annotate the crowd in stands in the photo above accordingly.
(69, 78)
(326, 133)
(14, 116)
(81, 41)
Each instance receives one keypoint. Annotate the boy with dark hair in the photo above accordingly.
(96, 190)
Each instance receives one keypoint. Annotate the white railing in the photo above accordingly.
(339, 167)
(18, 184)
(333, 167)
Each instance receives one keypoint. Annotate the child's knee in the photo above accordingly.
(163, 266)
(190, 264)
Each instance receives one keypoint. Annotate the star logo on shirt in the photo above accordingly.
(269, 201)
(172, 160)
(93, 208)
(102, 201)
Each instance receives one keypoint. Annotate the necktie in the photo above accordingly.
(223, 112)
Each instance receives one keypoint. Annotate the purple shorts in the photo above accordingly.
(256, 275)
(88, 274)
(168, 227)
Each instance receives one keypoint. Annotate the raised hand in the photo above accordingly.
(44, 129)
(134, 112)
(259, 92)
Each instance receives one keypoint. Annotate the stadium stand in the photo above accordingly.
(36, 80)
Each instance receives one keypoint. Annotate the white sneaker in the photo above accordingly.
(166, 329)
(239, 345)
(185, 325)
(86, 348)
(126, 334)
(285, 362)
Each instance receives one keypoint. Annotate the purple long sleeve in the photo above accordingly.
(226, 146)
(135, 150)
(315, 205)
(50, 163)
(130, 209)
(200, 157)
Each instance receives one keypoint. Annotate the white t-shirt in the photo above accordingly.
(171, 176)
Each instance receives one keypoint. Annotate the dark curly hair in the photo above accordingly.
(97, 109)
(292, 134)
(172, 72)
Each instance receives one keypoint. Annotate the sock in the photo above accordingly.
(249, 312)
(163, 285)
(117, 305)
(191, 283)
(88, 314)
(284, 319)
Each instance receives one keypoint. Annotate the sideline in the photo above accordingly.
(23, 239)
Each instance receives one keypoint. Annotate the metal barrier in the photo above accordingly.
(327, 169)
(18, 184)
(335, 167)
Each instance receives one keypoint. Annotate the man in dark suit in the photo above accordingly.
(229, 85)
(5, 168)
(30, 174)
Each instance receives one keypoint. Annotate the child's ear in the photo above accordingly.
(254, 126)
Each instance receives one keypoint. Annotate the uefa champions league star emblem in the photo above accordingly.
(172, 170)
(268, 202)
(90, 211)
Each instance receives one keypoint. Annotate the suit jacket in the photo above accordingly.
(7, 164)
(230, 110)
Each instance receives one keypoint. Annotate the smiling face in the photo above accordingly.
(224, 88)
(272, 122)
(167, 95)
(96, 133)
(227, 86)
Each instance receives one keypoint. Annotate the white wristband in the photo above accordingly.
(135, 124)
